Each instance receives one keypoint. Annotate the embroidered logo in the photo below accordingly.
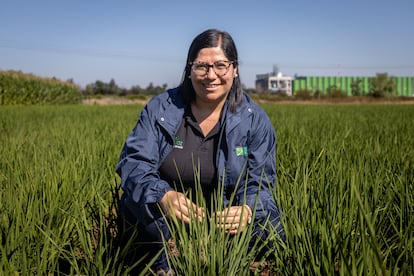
(178, 143)
(242, 151)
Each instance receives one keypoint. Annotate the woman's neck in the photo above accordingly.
(207, 115)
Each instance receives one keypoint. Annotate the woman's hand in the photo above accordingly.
(234, 218)
(175, 204)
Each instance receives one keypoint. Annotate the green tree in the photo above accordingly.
(135, 90)
(153, 90)
(381, 85)
(356, 87)
(102, 88)
(335, 92)
(112, 87)
(97, 88)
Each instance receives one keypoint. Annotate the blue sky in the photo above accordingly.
(138, 42)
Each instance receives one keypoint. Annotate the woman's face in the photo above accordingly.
(212, 87)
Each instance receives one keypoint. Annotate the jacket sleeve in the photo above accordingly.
(256, 189)
(138, 169)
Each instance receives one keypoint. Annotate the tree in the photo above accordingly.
(102, 88)
(335, 92)
(135, 90)
(153, 90)
(356, 88)
(112, 88)
(99, 88)
(95, 88)
(381, 85)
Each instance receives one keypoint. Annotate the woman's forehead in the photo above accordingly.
(213, 53)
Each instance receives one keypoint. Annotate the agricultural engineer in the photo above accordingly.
(206, 125)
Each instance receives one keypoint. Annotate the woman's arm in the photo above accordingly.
(256, 190)
(138, 168)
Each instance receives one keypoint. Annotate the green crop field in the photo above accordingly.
(345, 184)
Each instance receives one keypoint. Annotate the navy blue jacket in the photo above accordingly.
(245, 159)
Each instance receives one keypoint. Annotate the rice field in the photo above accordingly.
(345, 184)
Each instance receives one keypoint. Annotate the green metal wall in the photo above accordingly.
(405, 85)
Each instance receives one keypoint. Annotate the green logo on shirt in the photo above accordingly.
(242, 151)
(178, 143)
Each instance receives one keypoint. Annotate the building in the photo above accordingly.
(274, 82)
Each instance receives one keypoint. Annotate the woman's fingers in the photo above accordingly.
(234, 218)
(231, 219)
(175, 204)
(185, 210)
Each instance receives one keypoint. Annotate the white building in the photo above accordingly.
(274, 82)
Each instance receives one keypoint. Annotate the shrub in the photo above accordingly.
(303, 94)
(382, 85)
(335, 92)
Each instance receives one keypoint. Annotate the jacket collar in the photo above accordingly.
(242, 112)
(172, 111)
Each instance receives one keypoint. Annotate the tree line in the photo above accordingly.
(17, 87)
(111, 88)
(381, 85)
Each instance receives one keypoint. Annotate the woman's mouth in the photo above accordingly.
(211, 86)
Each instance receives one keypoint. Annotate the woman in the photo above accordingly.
(206, 123)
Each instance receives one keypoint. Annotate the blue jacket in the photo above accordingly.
(245, 159)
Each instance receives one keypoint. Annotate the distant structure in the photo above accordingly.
(274, 82)
(404, 85)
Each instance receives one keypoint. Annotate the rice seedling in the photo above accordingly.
(345, 185)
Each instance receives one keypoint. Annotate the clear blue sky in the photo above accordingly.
(138, 42)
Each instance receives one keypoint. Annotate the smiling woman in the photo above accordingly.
(190, 136)
(211, 88)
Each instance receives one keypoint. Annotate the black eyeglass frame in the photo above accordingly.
(208, 66)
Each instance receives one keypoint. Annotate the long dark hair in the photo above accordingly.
(207, 39)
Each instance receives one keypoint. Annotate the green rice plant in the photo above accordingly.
(56, 173)
(345, 185)
(348, 180)
(204, 248)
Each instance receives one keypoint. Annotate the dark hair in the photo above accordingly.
(208, 39)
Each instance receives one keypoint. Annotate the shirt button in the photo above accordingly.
(249, 109)
(162, 119)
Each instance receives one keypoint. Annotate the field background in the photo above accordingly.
(345, 183)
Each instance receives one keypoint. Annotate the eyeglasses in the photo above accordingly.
(220, 67)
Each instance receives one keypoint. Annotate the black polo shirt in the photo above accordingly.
(192, 159)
